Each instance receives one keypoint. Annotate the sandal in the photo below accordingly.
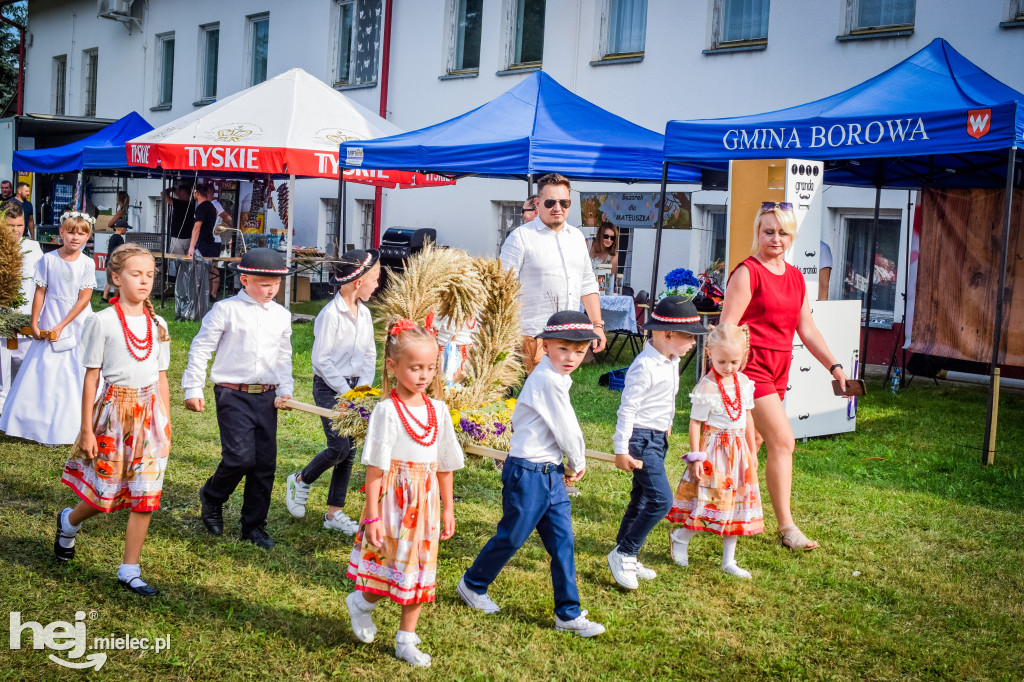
(791, 537)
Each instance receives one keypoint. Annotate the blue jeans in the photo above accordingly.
(339, 453)
(651, 497)
(532, 496)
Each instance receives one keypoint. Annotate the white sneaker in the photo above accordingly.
(295, 496)
(361, 619)
(406, 650)
(680, 550)
(480, 602)
(733, 569)
(644, 573)
(580, 625)
(623, 569)
(339, 521)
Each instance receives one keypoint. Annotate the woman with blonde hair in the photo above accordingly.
(768, 294)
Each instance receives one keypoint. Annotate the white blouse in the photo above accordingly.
(104, 346)
(708, 406)
(387, 439)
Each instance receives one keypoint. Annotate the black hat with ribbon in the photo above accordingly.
(675, 314)
(569, 325)
(121, 222)
(354, 264)
(262, 262)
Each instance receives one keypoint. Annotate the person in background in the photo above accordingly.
(529, 211)
(201, 239)
(10, 360)
(121, 210)
(551, 259)
(6, 190)
(22, 194)
(182, 218)
(824, 270)
(117, 239)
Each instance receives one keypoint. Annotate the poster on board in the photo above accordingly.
(634, 210)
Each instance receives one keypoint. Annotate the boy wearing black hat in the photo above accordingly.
(252, 373)
(117, 239)
(344, 356)
(644, 423)
(533, 495)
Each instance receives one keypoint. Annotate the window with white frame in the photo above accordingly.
(60, 83)
(866, 16)
(330, 213)
(851, 282)
(509, 218)
(259, 39)
(209, 53)
(1016, 10)
(718, 237)
(164, 69)
(464, 54)
(526, 38)
(739, 23)
(626, 28)
(357, 41)
(365, 208)
(90, 73)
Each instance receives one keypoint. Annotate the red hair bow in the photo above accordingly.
(429, 324)
(404, 324)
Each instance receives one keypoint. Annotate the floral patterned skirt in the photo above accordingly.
(726, 498)
(405, 568)
(133, 437)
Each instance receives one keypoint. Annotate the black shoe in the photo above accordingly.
(62, 553)
(258, 537)
(138, 586)
(212, 515)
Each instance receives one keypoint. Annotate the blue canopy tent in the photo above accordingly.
(103, 150)
(536, 127)
(934, 119)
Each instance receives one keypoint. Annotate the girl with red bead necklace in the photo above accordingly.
(119, 458)
(719, 491)
(410, 453)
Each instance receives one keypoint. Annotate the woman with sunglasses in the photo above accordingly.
(768, 294)
(605, 248)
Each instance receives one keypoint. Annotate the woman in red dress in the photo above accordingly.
(768, 294)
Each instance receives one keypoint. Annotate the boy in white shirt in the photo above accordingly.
(644, 423)
(251, 335)
(344, 356)
(10, 360)
(533, 495)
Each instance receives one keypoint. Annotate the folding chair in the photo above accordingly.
(635, 340)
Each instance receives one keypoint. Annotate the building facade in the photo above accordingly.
(646, 60)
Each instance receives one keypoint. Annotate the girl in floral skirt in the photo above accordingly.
(410, 453)
(719, 491)
(119, 458)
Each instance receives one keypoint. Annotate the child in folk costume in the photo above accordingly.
(644, 424)
(43, 404)
(410, 453)
(121, 454)
(533, 490)
(10, 360)
(719, 491)
(344, 356)
(251, 335)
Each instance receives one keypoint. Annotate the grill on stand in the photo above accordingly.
(399, 243)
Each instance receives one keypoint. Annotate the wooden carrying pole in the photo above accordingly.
(472, 449)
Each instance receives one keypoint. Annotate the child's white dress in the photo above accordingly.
(45, 401)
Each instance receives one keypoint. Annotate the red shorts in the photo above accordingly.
(769, 370)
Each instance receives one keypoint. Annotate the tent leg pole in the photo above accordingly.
(163, 238)
(288, 241)
(906, 282)
(339, 220)
(344, 218)
(871, 280)
(989, 446)
(657, 236)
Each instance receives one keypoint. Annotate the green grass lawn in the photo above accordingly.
(919, 576)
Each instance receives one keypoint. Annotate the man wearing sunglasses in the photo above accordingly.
(530, 208)
(552, 261)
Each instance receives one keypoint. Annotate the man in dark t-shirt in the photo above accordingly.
(201, 239)
(182, 218)
(22, 194)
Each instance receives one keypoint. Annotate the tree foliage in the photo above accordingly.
(9, 42)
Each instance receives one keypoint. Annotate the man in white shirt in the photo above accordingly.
(645, 416)
(551, 259)
(533, 496)
(252, 373)
(10, 360)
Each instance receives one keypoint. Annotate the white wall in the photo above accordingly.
(803, 61)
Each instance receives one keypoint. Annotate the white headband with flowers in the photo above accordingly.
(77, 214)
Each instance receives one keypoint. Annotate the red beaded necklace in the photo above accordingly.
(131, 340)
(733, 406)
(429, 435)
